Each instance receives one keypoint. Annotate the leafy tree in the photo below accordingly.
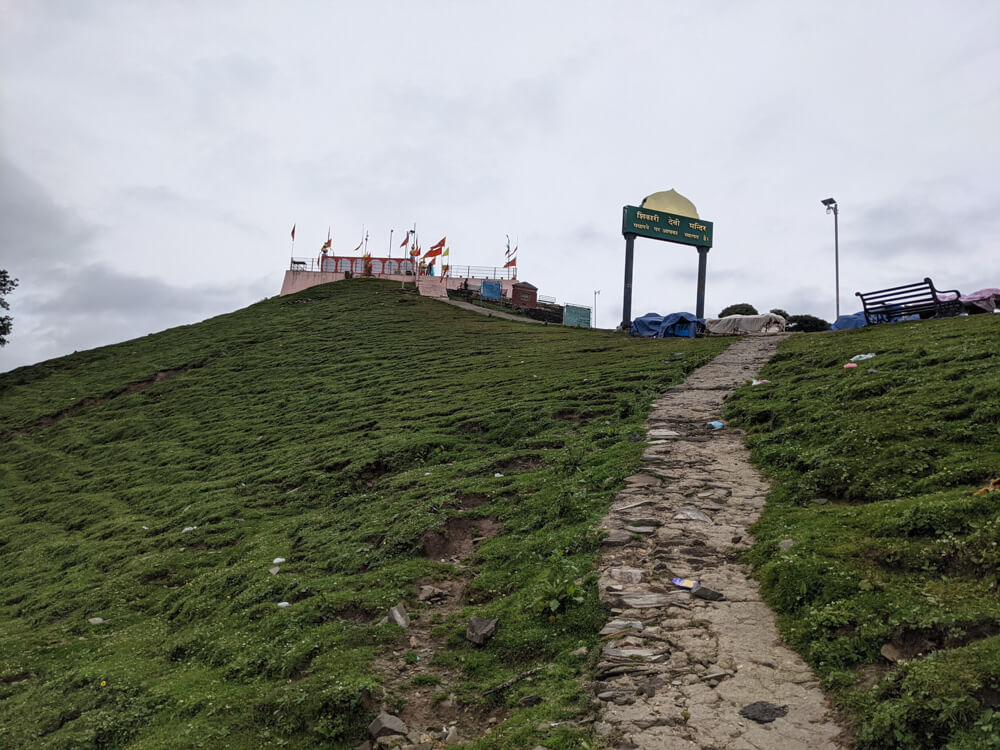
(782, 313)
(807, 324)
(7, 285)
(741, 309)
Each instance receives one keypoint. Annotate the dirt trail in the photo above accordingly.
(677, 670)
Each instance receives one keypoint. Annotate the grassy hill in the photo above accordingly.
(890, 586)
(378, 442)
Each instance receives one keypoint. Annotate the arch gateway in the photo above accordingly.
(670, 217)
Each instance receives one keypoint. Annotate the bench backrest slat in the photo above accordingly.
(908, 299)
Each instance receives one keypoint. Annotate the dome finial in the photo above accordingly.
(672, 202)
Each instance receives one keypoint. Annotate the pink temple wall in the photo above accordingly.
(296, 281)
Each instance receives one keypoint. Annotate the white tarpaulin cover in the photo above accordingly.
(738, 324)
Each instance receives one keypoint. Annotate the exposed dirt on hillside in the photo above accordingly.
(416, 690)
(459, 538)
(51, 419)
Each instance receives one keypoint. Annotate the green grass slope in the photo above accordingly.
(335, 428)
(890, 589)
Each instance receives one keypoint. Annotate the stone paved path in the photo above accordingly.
(677, 669)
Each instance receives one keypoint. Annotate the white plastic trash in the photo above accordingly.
(188, 528)
(862, 357)
(278, 560)
(284, 604)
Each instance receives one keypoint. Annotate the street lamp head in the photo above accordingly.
(829, 202)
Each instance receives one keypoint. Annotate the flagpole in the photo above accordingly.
(390, 243)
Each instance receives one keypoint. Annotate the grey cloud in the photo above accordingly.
(920, 225)
(34, 231)
(98, 289)
(96, 305)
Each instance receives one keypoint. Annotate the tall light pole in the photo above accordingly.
(831, 207)
(596, 292)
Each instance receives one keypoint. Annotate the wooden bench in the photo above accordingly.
(899, 302)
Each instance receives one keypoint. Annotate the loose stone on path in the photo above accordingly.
(711, 653)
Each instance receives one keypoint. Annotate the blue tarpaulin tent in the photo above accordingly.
(844, 322)
(680, 324)
(654, 325)
(647, 326)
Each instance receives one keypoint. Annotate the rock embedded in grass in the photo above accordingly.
(399, 616)
(386, 725)
(480, 630)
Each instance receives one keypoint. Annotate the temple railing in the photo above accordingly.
(394, 267)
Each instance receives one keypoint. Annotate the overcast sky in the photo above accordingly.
(154, 155)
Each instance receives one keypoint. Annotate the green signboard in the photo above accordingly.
(659, 225)
(576, 315)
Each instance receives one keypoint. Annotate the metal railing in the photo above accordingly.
(394, 267)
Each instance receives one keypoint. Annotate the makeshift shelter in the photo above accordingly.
(682, 324)
(986, 300)
(647, 326)
(739, 324)
(845, 322)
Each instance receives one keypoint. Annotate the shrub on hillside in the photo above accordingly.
(743, 308)
(807, 323)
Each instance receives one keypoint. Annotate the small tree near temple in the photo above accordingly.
(7, 285)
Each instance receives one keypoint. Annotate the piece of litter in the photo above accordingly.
(850, 366)
(758, 382)
(498, 474)
(704, 592)
(716, 424)
(278, 560)
(188, 528)
(274, 571)
(763, 712)
(427, 473)
(284, 604)
(862, 357)
(146, 528)
(685, 583)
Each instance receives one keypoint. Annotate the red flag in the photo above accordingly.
(405, 240)
(511, 262)
(438, 245)
(359, 246)
(433, 252)
(293, 232)
(444, 270)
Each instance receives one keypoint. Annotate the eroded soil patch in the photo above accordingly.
(459, 538)
(521, 463)
(50, 419)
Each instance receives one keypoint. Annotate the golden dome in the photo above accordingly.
(672, 202)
